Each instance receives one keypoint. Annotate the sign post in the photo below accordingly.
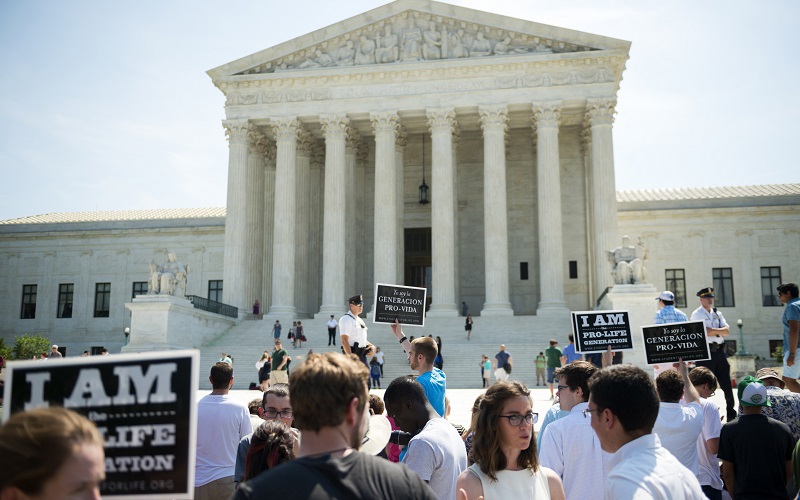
(144, 405)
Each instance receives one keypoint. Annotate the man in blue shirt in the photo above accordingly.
(666, 310)
(569, 354)
(788, 295)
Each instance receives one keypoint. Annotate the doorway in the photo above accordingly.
(418, 260)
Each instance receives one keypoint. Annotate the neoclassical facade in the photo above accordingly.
(328, 136)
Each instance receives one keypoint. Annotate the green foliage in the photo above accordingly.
(5, 351)
(26, 346)
(778, 355)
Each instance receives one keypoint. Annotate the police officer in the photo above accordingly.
(353, 331)
(716, 329)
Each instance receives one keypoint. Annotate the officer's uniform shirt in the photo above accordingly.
(712, 320)
(354, 328)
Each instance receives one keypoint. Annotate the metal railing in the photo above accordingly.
(213, 306)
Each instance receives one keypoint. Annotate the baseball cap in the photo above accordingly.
(752, 392)
(666, 295)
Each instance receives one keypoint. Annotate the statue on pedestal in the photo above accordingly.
(627, 263)
(168, 278)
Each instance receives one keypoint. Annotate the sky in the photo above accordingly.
(107, 105)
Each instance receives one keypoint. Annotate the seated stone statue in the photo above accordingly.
(412, 40)
(366, 51)
(387, 50)
(169, 278)
(481, 46)
(627, 263)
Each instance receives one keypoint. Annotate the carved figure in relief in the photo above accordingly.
(169, 278)
(412, 39)
(322, 59)
(627, 262)
(387, 48)
(432, 48)
(366, 51)
(504, 47)
(481, 46)
(456, 45)
(346, 56)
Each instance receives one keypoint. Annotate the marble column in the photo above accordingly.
(363, 250)
(351, 142)
(600, 115)
(494, 122)
(254, 220)
(586, 152)
(443, 282)
(547, 118)
(385, 124)
(269, 151)
(286, 130)
(315, 235)
(334, 127)
(303, 221)
(234, 273)
(399, 159)
(457, 254)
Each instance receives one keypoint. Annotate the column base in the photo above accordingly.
(552, 308)
(442, 311)
(497, 309)
(325, 312)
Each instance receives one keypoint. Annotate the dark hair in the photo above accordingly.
(376, 404)
(427, 347)
(253, 406)
(571, 338)
(272, 444)
(668, 302)
(221, 375)
(35, 444)
(669, 385)
(701, 375)
(577, 374)
(323, 387)
(553, 342)
(279, 390)
(486, 441)
(629, 393)
(790, 288)
(405, 388)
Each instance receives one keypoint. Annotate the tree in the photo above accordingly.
(5, 351)
(26, 346)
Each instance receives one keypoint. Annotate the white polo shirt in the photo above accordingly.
(354, 328)
(678, 428)
(712, 320)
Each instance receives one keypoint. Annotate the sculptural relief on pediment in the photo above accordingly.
(415, 37)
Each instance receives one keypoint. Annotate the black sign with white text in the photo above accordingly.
(594, 331)
(144, 405)
(403, 303)
(669, 342)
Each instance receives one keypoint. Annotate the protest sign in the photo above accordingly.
(144, 405)
(669, 342)
(403, 303)
(594, 331)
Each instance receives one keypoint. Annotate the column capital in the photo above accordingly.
(334, 126)
(352, 138)
(401, 139)
(318, 155)
(255, 138)
(285, 127)
(456, 134)
(384, 121)
(236, 131)
(546, 114)
(601, 111)
(304, 142)
(442, 119)
(494, 116)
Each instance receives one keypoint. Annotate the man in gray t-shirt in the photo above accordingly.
(436, 453)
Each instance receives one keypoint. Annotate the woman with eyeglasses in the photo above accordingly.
(506, 463)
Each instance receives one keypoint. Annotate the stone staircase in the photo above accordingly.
(524, 337)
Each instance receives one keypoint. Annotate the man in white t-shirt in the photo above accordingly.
(708, 474)
(569, 446)
(332, 324)
(679, 426)
(436, 452)
(221, 423)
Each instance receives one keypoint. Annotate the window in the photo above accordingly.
(65, 291)
(102, 300)
(573, 269)
(28, 302)
(723, 286)
(676, 283)
(770, 279)
(215, 290)
(523, 270)
(139, 288)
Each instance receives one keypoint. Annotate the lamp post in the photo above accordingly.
(741, 351)
(127, 332)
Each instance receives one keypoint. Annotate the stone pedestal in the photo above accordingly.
(639, 301)
(742, 365)
(165, 322)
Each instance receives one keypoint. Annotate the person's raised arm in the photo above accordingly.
(690, 394)
(397, 330)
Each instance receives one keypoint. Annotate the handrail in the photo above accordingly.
(213, 306)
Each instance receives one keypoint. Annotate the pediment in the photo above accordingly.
(416, 31)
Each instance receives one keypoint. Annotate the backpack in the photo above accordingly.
(375, 371)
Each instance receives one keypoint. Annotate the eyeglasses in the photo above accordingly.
(272, 413)
(588, 411)
(515, 420)
(562, 387)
